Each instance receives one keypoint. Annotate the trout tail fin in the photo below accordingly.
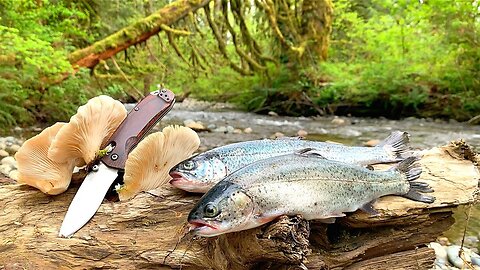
(412, 170)
(397, 145)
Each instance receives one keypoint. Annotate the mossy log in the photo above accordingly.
(134, 34)
(149, 230)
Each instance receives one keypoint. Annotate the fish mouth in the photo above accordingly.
(181, 181)
(202, 228)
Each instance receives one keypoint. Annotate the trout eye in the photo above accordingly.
(210, 210)
(189, 165)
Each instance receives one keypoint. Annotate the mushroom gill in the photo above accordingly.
(92, 125)
(36, 169)
(148, 165)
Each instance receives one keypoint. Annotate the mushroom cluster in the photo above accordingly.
(47, 160)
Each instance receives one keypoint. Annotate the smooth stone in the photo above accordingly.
(13, 174)
(13, 148)
(277, 135)
(302, 133)
(237, 131)
(3, 153)
(338, 121)
(440, 253)
(443, 241)
(272, 113)
(212, 126)
(17, 129)
(230, 129)
(371, 143)
(453, 258)
(9, 161)
(3, 145)
(248, 130)
(5, 169)
(195, 125)
(221, 129)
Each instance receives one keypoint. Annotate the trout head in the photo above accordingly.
(198, 173)
(225, 208)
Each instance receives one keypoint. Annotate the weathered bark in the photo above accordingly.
(134, 34)
(146, 232)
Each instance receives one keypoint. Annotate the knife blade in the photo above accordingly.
(141, 119)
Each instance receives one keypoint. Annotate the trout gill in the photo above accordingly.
(302, 183)
(201, 172)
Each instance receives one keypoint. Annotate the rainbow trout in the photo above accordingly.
(201, 172)
(302, 183)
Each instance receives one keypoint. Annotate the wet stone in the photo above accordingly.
(3, 153)
(13, 148)
(371, 143)
(302, 133)
(248, 130)
(271, 113)
(9, 161)
(5, 169)
(338, 121)
(13, 174)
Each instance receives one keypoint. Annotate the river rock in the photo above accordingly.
(5, 169)
(277, 135)
(237, 131)
(272, 113)
(9, 161)
(195, 125)
(230, 129)
(441, 257)
(3, 153)
(468, 254)
(12, 149)
(338, 121)
(18, 129)
(221, 129)
(3, 145)
(302, 133)
(248, 130)
(371, 143)
(443, 241)
(212, 126)
(13, 174)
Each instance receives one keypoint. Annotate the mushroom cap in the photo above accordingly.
(92, 125)
(36, 169)
(148, 165)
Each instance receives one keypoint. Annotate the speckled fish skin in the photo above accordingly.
(304, 184)
(201, 172)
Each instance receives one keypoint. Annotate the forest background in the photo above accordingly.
(296, 57)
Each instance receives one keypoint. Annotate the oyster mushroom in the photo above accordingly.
(88, 130)
(148, 165)
(36, 169)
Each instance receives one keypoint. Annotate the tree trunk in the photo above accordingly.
(134, 34)
(146, 232)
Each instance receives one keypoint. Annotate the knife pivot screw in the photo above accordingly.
(114, 157)
(136, 108)
(95, 168)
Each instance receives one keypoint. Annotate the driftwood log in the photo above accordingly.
(149, 231)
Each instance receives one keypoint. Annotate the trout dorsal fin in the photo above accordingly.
(309, 152)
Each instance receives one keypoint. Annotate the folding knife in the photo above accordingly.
(134, 127)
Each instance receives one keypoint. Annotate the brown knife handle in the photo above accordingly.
(136, 125)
